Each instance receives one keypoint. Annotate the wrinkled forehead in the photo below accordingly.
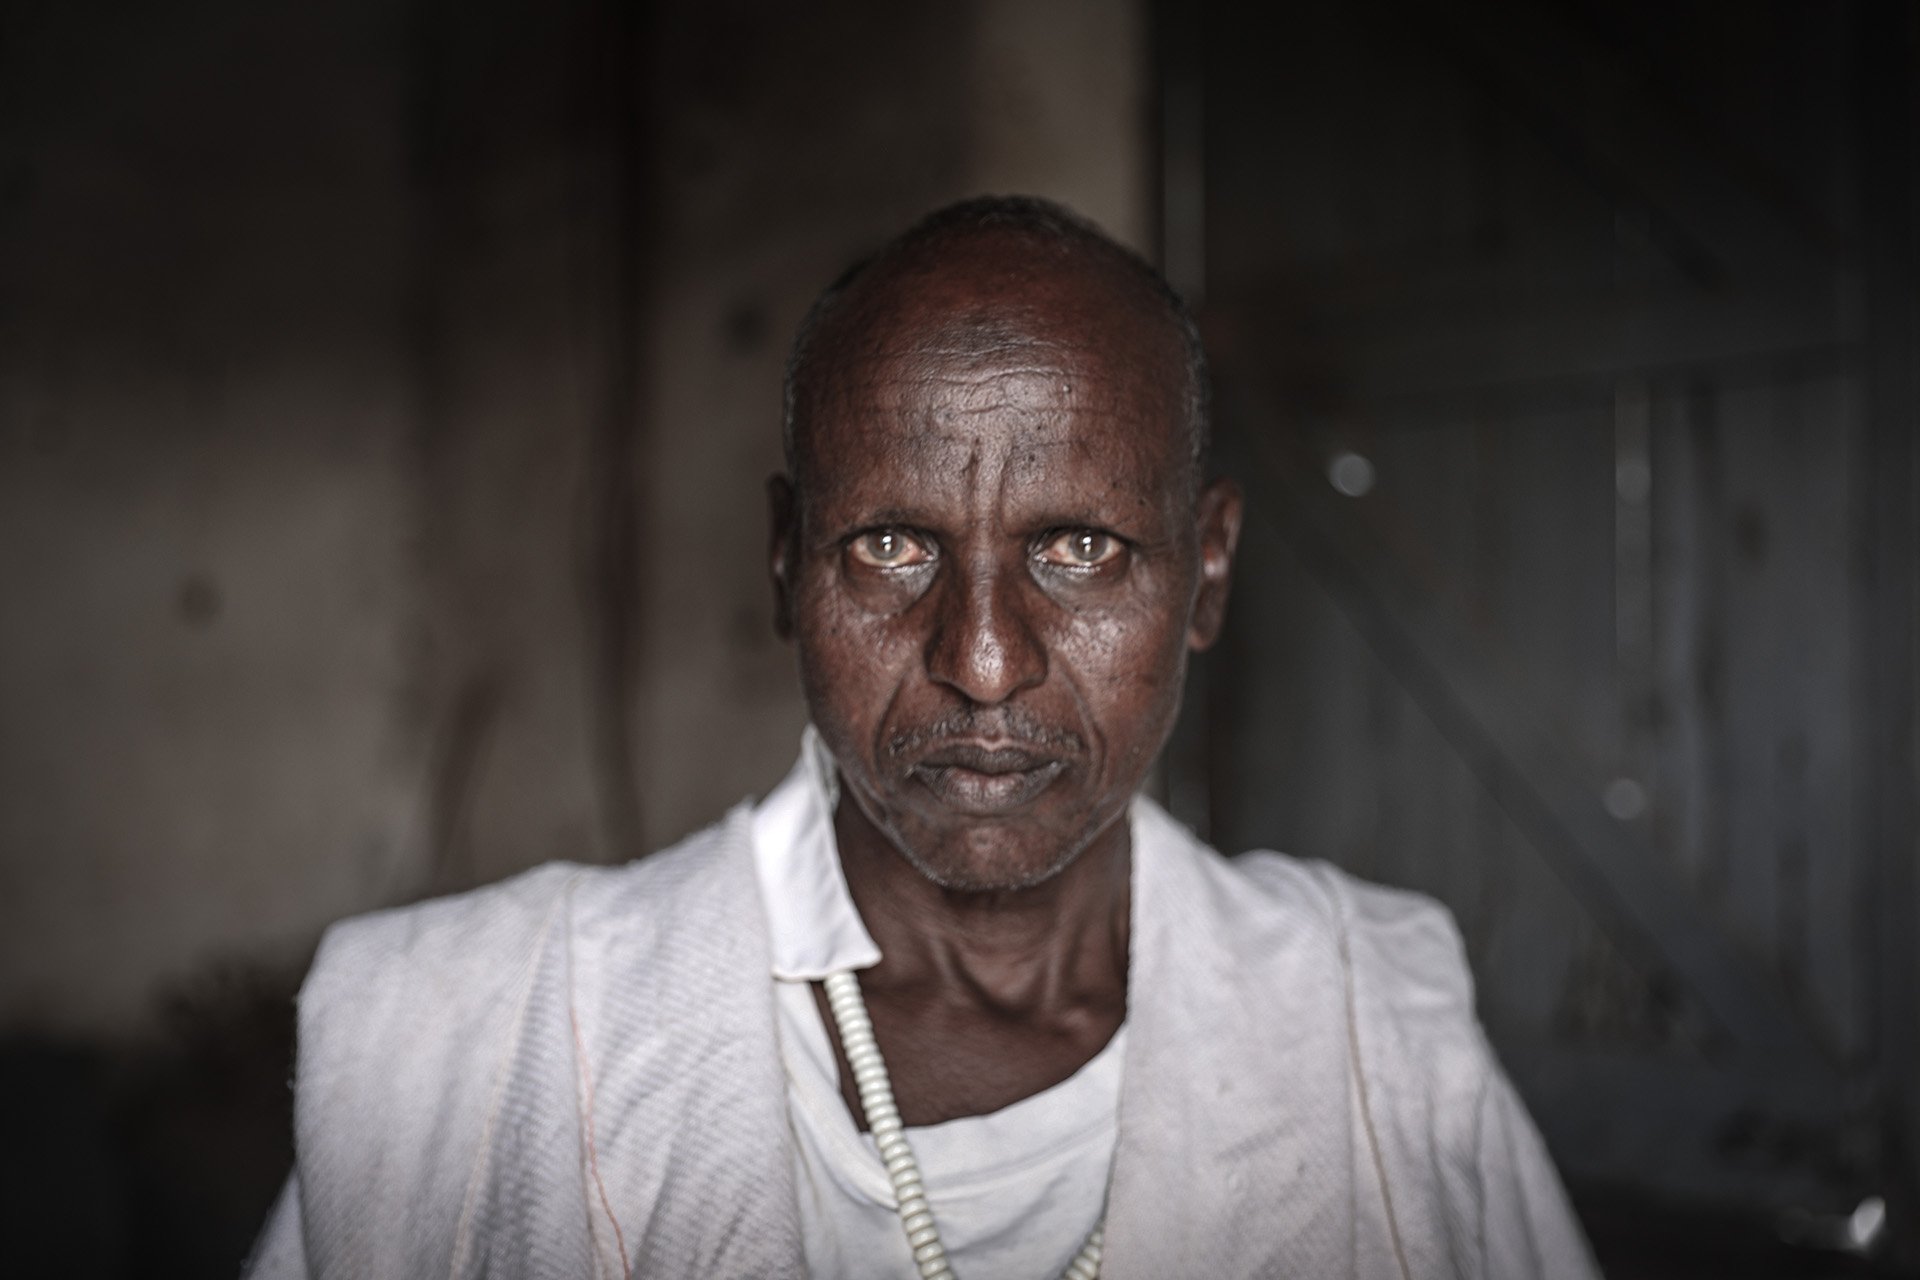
(1065, 357)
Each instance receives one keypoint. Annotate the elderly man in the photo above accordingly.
(954, 998)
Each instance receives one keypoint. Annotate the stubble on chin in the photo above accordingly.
(989, 860)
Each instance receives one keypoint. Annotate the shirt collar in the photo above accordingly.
(814, 928)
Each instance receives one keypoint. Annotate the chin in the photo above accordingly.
(989, 862)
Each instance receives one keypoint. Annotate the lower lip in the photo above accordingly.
(970, 791)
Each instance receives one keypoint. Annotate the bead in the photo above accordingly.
(889, 1136)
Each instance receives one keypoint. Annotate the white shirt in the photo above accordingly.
(578, 1073)
(1013, 1193)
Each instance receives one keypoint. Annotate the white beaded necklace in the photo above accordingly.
(883, 1121)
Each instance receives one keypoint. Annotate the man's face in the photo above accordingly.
(996, 562)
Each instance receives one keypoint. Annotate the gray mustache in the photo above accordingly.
(1007, 724)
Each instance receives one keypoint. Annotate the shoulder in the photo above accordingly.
(1389, 962)
(1415, 1041)
(1378, 978)
(428, 1034)
(402, 998)
(444, 944)
(1408, 987)
(467, 947)
(1399, 947)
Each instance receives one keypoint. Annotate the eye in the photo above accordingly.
(1082, 549)
(889, 549)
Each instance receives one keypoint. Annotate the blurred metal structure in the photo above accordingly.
(1568, 355)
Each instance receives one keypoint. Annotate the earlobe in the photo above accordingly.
(1219, 521)
(781, 541)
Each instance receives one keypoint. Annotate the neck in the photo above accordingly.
(1060, 942)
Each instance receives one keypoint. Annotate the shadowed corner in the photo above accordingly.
(157, 1156)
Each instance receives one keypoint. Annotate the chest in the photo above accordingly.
(1014, 1192)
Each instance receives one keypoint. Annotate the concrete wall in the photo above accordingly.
(386, 397)
(208, 504)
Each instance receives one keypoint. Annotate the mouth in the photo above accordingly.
(976, 778)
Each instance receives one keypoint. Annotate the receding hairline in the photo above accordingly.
(927, 247)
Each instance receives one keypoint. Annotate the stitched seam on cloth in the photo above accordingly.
(586, 1113)
(1360, 1081)
(530, 967)
(1479, 1172)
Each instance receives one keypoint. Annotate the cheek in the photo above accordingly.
(1126, 662)
(851, 659)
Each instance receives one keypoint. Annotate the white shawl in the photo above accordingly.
(575, 1074)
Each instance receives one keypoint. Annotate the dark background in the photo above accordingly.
(386, 391)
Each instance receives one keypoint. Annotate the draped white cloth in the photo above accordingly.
(575, 1073)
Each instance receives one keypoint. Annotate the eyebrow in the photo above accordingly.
(894, 516)
(881, 518)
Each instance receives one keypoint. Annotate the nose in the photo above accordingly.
(984, 645)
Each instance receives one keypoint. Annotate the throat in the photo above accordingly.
(982, 1000)
(952, 1061)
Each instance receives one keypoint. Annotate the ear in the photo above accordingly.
(783, 540)
(1219, 525)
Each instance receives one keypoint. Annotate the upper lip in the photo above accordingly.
(985, 757)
